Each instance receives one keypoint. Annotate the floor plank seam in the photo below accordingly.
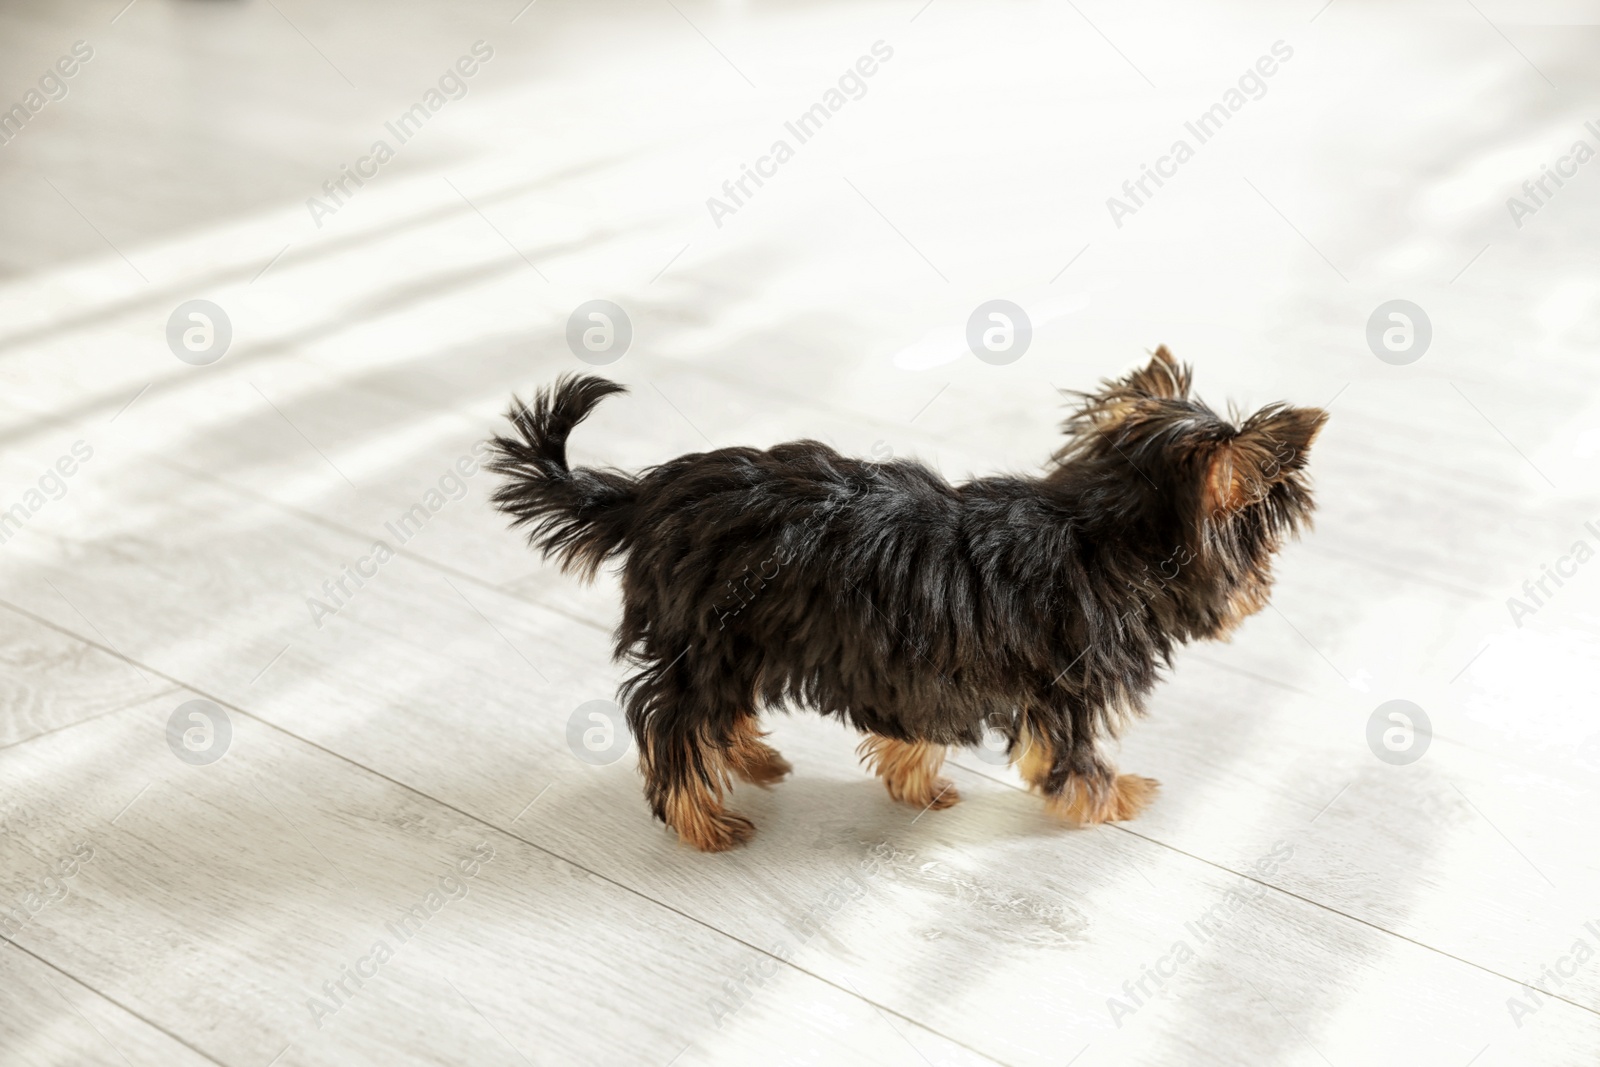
(103, 995)
(733, 937)
(340, 528)
(1297, 896)
(92, 718)
(17, 609)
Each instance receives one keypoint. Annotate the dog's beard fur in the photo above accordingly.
(918, 611)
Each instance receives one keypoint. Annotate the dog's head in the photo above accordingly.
(1211, 497)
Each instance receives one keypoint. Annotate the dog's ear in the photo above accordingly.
(1163, 378)
(1270, 448)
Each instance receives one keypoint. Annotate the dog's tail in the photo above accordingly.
(579, 516)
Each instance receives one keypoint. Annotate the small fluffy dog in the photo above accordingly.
(917, 611)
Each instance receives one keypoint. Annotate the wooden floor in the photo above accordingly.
(406, 853)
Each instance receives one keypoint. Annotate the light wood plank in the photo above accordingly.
(608, 832)
(51, 681)
(47, 1017)
(238, 888)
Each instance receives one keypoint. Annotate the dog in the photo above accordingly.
(921, 613)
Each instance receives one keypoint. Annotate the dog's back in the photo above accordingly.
(876, 592)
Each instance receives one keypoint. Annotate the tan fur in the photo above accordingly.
(752, 759)
(1032, 757)
(1164, 377)
(1083, 801)
(1227, 489)
(696, 813)
(1089, 804)
(1245, 601)
(910, 770)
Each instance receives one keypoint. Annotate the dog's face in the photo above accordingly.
(1213, 497)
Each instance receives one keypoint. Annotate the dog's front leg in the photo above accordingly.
(910, 770)
(1077, 782)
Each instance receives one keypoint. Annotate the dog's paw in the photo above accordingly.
(934, 793)
(945, 794)
(1131, 795)
(768, 770)
(718, 832)
(1127, 796)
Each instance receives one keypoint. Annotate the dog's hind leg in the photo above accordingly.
(685, 778)
(685, 754)
(910, 770)
(752, 759)
(1077, 783)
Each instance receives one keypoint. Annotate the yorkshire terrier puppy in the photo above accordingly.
(917, 611)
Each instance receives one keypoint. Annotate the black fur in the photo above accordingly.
(911, 608)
